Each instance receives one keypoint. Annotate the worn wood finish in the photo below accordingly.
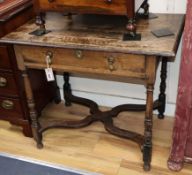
(103, 33)
(83, 61)
(148, 122)
(71, 50)
(44, 92)
(32, 110)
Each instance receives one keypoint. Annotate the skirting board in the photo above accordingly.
(111, 101)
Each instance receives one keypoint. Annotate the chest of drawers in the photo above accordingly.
(107, 7)
(13, 103)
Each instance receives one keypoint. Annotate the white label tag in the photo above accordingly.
(49, 74)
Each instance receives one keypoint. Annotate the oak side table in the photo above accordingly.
(88, 45)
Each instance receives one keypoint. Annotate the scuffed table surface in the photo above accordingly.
(102, 33)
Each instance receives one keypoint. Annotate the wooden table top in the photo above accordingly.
(102, 33)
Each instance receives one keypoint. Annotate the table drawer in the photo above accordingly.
(10, 108)
(86, 6)
(8, 84)
(4, 58)
(84, 61)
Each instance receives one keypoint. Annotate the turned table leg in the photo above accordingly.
(148, 123)
(131, 27)
(145, 7)
(67, 89)
(32, 111)
(162, 95)
(40, 21)
(57, 97)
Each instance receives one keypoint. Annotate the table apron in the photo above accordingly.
(101, 63)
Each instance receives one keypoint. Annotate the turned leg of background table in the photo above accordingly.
(66, 89)
(162, 95)
(147, 147)
(145, 7)
(40, 21)
(57, 97)
(32, 111)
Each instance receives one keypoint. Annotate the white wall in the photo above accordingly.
(110, 93)
(168, 6)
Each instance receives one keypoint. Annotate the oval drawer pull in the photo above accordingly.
(108, 1)
(51, 1)
(48, 58)
(7, 104)
(3, 82)
(111, 62)
(79, 54)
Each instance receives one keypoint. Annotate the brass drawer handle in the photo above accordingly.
(51, 1)
(108, 1)
(7, 104)
(48, 58)
(111, 62)
(3, 82)
(79, 54)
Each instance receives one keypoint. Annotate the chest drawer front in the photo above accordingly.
(86, 6)
(4, 58)
(8, 85)
(84, 61)
(10, 108)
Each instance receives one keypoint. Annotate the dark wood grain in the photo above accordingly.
(14, 88)
(16, 112)
(14, 18)
(128, 8)
(5, 61)
(162, 95)
(10, 85)
(116, 7)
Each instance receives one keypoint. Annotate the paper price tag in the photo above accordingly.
(49, 74)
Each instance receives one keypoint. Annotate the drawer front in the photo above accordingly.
(8, 85)
(86, 6)
(84, 61)
(4, 58)
(10, 108)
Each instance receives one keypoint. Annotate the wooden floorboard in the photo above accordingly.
(92, 148)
